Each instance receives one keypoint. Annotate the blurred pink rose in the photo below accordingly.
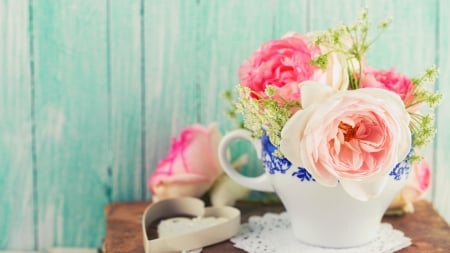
(191, 166)
(418, 181)
(283, 63)
(354, 136)
(389, 80)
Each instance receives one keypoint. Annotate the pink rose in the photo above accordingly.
(191, 166)
(354, 137)
(389, 80)
(282, 63)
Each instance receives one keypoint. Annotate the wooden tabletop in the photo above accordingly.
(429, 232)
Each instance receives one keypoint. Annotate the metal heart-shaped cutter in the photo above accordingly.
(191, 207)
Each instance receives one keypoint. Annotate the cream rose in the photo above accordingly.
(336, 72)
(354, 137)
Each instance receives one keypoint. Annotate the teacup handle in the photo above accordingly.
(259, 183)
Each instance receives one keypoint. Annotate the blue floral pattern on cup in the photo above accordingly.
(402, 168)
(276, 164)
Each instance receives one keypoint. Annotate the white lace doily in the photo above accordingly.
(272, 233)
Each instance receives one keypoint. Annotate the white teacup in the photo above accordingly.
(321, 216)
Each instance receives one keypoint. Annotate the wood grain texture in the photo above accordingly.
(428, 231)
(408, 45)
(324, 14)
(291, 16)
(221, 47)
(171, 90)
(16, 166)
(115, 80)
(71, 121)
(125, 70)
(441, 177)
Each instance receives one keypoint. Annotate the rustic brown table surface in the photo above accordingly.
(429, 232)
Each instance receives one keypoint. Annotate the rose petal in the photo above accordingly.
(314, 92)
(290, 136)
(365, 189)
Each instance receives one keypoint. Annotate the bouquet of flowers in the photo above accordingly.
(326, 109)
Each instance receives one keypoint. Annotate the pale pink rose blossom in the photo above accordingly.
(418, 181)
(389, 80)
(354, 137)
(282, 63)
(191, 166)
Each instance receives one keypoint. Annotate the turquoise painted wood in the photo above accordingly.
(91, 93)
(17, 204)
(323, 15)
(409, 44)
(72, 107)
(441, 159)
(221, 39)
(172, 91)
(126, 92)
(292, 16)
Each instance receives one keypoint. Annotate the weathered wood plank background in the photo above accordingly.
(92, 91)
